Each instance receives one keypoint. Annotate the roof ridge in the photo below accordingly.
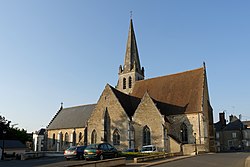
(179, 73)
(80, 106)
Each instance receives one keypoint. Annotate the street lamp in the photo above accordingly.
(195, 146)
(4, 132)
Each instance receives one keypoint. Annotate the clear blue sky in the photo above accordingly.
(66, 51)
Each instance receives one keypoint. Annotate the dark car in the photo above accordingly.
(100, 151)
(74, 152)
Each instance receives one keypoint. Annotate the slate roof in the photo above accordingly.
(219, 126)
(129, 103)
(40, 132)
(234, 125)
(12, 144)
(180, 93)
(73, 117)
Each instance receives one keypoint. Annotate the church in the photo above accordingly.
(172, 112)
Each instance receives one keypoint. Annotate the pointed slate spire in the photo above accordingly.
(132, 57)
(131, 71)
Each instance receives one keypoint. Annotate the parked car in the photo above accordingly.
(148, 149)
(100, 151)
(74, 152)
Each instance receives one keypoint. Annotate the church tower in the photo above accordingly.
(131, 70)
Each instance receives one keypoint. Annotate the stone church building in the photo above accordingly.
(172, 112)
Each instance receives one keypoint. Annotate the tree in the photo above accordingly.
(11, 132)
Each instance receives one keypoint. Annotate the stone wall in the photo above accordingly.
(63, 144)
(148, 115)
(118, 119)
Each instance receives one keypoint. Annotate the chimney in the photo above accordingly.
(222, 119)
(231, 118)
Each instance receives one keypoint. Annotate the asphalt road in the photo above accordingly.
(210, 160)
(31, 163)
(205, 160)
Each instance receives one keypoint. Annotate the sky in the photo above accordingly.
(67, 51)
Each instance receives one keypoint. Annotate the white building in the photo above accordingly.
(38, 140)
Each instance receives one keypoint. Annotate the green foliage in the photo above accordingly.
(11, 132)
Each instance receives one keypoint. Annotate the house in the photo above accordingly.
(12, 147)
(229, 137)
(172, 112)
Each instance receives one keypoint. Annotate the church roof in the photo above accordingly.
(73, 117)
(176, 93)
(129, 103)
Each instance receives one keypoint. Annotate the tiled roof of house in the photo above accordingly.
(73, 117)
(180, 93)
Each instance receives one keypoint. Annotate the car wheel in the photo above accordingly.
(101, 157)
(67, 159)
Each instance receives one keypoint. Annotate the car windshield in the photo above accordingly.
(71, 148)
(146, 148)
(92, 146)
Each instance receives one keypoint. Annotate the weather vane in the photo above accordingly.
(131, 14)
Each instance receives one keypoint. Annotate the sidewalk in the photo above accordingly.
(130, 163)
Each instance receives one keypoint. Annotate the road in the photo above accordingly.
(31, 163)
(210, 160)
(205, 160)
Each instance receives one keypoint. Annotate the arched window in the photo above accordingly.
(74, 139)
(130, 82)
(131, 135)
(184, 133)
(54, 138)
(106, 126)
(124, 83)
(60, 137)
(93, 137)
(66, 139)
(116, 137)
(85, 136)
(80, 137)
(146, 136)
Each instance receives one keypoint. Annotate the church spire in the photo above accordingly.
(131, 71)
(132, 61)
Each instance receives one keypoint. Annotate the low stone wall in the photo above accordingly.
(154, 157)
(189, 149)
